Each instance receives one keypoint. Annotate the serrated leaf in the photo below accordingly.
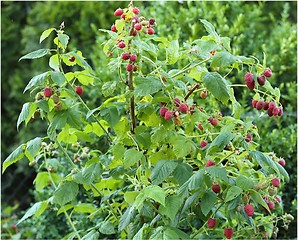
(182, 173)
(92, 235)
(246, 60)
(45, 34)
(66, 193)
(220, 142)
(196, 181)
(210, 29)
(84, 77)
(15, 156)
(162, 170)
(85, 208)
(172, 205)
(218, 172)
(36, 81)
(33, 146)
(24, 114)
(172, 52)
(156, 193)
(106, 228)
(36, 209)
(222, 59)
(127, 218)
(131, 157)
(257, 197)
(244, 182)
(54, 62)
(207, 202)
(108, 88)
(283, 172)
(43, 179)
(111, 115)
(81, 61)
(232, 193)
(36, 54)
(92, 172)
(58, 78)
(264, 160)
(147, 86)
(120, 25)
(217, 86)
(63, 39)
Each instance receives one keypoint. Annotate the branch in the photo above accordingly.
(197, 85)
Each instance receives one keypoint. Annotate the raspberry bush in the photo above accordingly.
(172, 167)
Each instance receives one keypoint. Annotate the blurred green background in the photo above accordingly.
(254, 28)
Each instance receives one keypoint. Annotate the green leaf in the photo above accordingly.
(84, 77)
(106, 228)
(81, 60)
(131, 157)
(15, 156)
(63, 39)
(127, 218)
(111, 115)
(182, 151)
(208, 202)
(257, 197)
(172, 205)
(210, 29)
(58, 78)
(246, 60)
(43, 105)
(232, 193)
(182, 173)
(147, 86)
(154, 192)
(108, 88)
(283, 172)
(43, 179)
(220, 142)
(33, 146)
(92, 172)
(168, 233)
(237, 109)
(45, 34)
(172, 52)
(85, 208)
(36, 54)
(264, 160)
(244, 182)
(162, 170)
(120, 25)
(222, 59)
(196, 181)
(92, 235)
(36, 81)
(54, 62)
(37, 209)
(218, 172)
(217, 85)
(66, 193)
(24, 114)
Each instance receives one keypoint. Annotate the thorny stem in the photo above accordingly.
(197, 85)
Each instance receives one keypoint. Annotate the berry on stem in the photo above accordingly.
(121, 44)
(113, 28)
(249, 80)
(204, 94)
(151, 21)
(177, 102)
(275, 111)
(228, 233)
(211, 222)
(209, 163)
(200, 126)
(72, 59)
(272, 105)
(125, 56)
(275, 182)
(163, 111)
(282, 162)
(183, 108)
(203, 144)
(79, 90)
(129, 67)
(138, 26)
(259, 105)
(133, 57)
(118, 12)
(216, 188)
(150, 31)
(268, 72)
(271, 205)
(266, 105)
(168, 115)
(254, 103)
(249, 210)
(214, 122)
(136, 10)
(261, 80)
(47, 92)
(248, 138)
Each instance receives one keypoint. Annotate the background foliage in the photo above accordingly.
(253, 26)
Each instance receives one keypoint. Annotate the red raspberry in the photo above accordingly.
(270, 112)
(282, 162)
(203, 144)
(136, 19)
(129, 67)
(183, 108)
(275, 111)
(259, 105)
(277, 199)
(280, 112)
(268, 72)
(136, 10)
(47, 92)
(118, 12)
(125, 56)
(133, 57)
(249, 209)
(113, 28)
(209, 163)
(151, 21)
(79, 90)
(214, 122)
(216, 188)
(14, 227)
(248, 138)
(266, 105)
(254, 103)
(200, 127)
(261, 80)
(150, 31)
(228, 233)
(138, 26)
(272, 105)
(121, 44)
(168, 115)
(72, 59)
(211, 222)
(134, 33)
(271, 205)
(123, 16)
(275, 182)
(177, 102)
(110, 54)
(249, 80)
(163, 111)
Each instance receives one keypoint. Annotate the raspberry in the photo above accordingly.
(275, 182)
(125, 56)
(249, 209)
(138, 26)
(133, 57)
(228, 233)
(134, 33)
(136, 10)
(118, 12)
(163, 111)
(177, 102)
(271, 205)
(261, 80)
(121, 44)
(136, 19)
(277, 199)
(248, 138)
(248, 77)
(151, 21)
(268, 72)
(113, 28)
(272, 105)
(204, 94)
(47, 92)
(200, 127)
(270, 112)
(209, 163)
(79, 90)
(282, 162)
(214, 122)
(129, 67)
(168, 115)
(211, 222)
(123, 16)
(275, 111)
(254, 103)
(110, 54)
(203, 144)
(266, 199)
(259, 105)
(280, 112)
(216, 188)
(183, 108)
(266, 105)
(150, 31)
(72, 59)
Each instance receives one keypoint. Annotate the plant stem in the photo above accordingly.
(67, 156)
(197, 85)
